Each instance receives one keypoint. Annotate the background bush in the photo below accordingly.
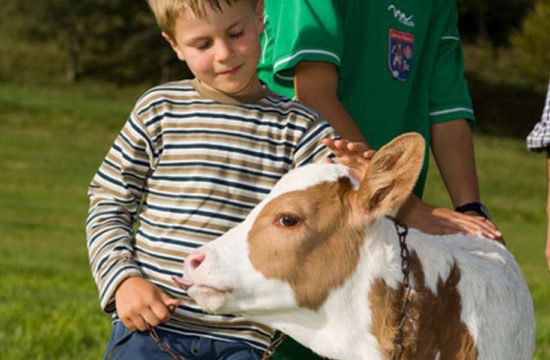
(531, 45)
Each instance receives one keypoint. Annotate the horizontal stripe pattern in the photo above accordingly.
(183, 171)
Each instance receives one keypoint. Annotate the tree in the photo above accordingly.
(531, 45)
(114, 39)
(64, 22)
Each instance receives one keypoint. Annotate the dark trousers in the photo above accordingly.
(138, 345)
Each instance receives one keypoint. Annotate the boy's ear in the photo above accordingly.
(174, 46)
(391, 175)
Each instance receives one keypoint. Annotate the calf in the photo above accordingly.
(320, 260)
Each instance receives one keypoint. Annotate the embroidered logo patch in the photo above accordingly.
(400, 54)
(401, 16)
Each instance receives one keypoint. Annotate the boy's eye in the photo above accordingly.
(236, 34)
(203, 45)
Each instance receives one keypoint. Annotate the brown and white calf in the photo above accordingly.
(320, 260)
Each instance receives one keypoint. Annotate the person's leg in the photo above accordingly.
(222, 350)
(138, 345)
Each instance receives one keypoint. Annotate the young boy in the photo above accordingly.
(192, 160)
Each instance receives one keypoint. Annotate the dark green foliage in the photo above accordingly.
(531, 46)
(116, 40)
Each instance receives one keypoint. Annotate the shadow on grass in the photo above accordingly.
(505, 109)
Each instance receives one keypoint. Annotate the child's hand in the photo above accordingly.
(441, 221)
(139, 302)
(355, 155)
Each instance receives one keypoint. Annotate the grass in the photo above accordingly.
(513, 186)
(52, 142)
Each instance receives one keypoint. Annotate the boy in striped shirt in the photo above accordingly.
(193, 158)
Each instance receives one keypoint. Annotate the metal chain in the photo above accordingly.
(402, 231)
(165, 347)
(163, 344)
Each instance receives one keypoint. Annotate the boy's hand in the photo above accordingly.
(442, 221)
(139, 302)
(355, 155)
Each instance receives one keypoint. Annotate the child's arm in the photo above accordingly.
(453, 149)
(316, 84)
(116, 194)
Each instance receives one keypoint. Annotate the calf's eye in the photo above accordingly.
(287, 220)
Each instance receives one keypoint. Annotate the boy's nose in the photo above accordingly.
(224, 51)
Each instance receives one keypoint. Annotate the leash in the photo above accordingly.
(402, 231)
(268, 353)
(165, 347)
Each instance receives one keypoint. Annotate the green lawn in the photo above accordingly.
(52, 141)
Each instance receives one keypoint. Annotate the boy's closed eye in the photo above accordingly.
(202, 44)
(236, 34)
(205, 43)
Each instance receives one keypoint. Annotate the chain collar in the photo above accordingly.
(402, 231)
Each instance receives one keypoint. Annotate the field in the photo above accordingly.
(51, 142)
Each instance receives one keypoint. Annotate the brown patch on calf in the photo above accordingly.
(435, 325)
(316, 255)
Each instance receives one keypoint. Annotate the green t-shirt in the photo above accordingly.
(400, 62)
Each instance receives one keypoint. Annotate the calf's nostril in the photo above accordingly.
(195, 260)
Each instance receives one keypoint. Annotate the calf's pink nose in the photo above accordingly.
(194, 260)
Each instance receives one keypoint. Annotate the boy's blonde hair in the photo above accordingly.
(168, 11)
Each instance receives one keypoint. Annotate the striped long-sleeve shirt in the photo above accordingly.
(539, 138)
(187, 166)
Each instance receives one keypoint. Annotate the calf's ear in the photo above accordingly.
(391, 175)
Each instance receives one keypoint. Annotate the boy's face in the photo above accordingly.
(222, 49)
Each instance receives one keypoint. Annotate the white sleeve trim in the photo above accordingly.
(450, 38)
(301, 52)
(282, 77)
(447, 111)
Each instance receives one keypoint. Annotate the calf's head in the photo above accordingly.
(304, 239)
